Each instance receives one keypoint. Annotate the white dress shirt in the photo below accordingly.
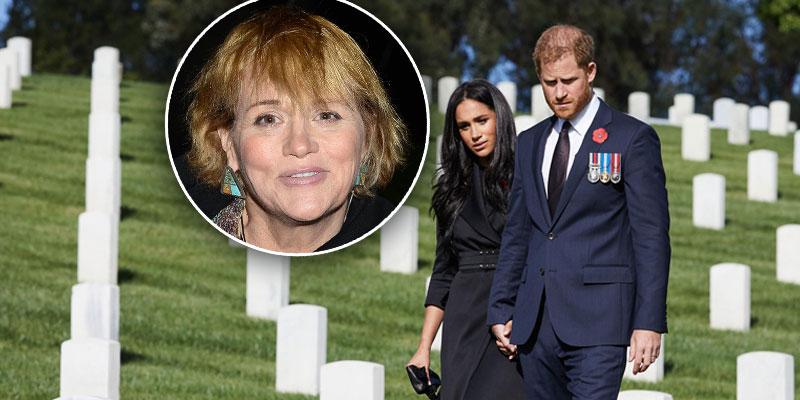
(580, 125)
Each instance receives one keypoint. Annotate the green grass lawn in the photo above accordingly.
(183, 329)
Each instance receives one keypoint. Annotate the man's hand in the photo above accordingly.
(645, 347)
(502, 334)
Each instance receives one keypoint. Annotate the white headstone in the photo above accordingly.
(23, 46)
(5, 86)
(787, 257)
(104, 96)
(103, 185)
(778, 118)
(643, 395)
(729, 297)
(639, 106)
(301, 348)
(797, 153)
(104, 134)
(759, 118)
(696, 138)
(445, 87)
(762, 175)
(106, 64)
(524, 122)
(267, 284)
(94, 311)
(684, 106)
(708, 201)
(97, 248)
(79, 398)
(399, 241)
(509, 91)
(723, 111)
(791, 127)
(427, 82)
(106, 54)
(351, 380)
(437, 340)
(653, 374)
(672, 115)
(764, 375)
(739, 126)
(600, 93)
(539, 107)
(90, 367)
(11, 58)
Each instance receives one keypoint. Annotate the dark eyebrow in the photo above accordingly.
(270, 102)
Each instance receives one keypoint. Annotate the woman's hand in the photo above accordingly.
(422, 359)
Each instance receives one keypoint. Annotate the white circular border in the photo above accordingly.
(371, 231)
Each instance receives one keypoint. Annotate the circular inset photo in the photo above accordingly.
(297, 127)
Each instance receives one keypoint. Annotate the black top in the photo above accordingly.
(364, 214)
(477, 228)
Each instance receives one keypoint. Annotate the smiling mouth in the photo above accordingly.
(303, 177)
(304, 174)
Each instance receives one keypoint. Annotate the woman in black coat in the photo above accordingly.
(470, 202)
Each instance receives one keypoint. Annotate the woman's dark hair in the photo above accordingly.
(454, 176)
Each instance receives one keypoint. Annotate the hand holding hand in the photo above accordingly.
(645, 348)
(502, 334)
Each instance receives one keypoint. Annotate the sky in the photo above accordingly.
(4, 12)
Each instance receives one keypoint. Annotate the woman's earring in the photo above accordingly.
(232, 183)
(361, 171)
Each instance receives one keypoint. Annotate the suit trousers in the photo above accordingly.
(554, 370)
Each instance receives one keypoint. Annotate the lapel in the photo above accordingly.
(580, 165)
(474, 212)
(537, 170)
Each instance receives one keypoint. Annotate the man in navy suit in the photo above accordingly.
(584, 259)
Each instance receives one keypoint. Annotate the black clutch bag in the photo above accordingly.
(419, 381)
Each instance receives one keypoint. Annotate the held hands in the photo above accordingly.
(502, 334)
(422, 359)
(645, 347)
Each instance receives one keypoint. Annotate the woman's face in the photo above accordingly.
(476, 124)
(299, 162)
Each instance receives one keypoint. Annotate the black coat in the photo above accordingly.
(472, 366)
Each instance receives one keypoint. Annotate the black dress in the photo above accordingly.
(472, 366)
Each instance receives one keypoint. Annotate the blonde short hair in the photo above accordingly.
(309, 58)
(560, 40)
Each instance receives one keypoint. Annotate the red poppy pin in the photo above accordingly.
(599, 135)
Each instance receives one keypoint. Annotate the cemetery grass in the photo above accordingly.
(183, 330)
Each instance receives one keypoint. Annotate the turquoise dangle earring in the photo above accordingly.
(232, 183)
(361, 171)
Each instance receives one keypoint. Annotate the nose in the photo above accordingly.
(561, 92)
(299, 140)
(474, 133)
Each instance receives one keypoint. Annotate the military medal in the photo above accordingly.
(605, 167)
(616, 167)
(594, 167)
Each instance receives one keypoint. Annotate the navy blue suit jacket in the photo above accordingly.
(603, 257)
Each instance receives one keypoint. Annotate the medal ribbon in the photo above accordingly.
(605, 161)
(616, 164)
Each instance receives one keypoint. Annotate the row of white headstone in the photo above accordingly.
(759, 375)
(728, 114)
(738, 118)
(91, 358)
(302, 335)
(15, 64)
(539, 108)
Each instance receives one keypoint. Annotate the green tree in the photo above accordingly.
(65, 34)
